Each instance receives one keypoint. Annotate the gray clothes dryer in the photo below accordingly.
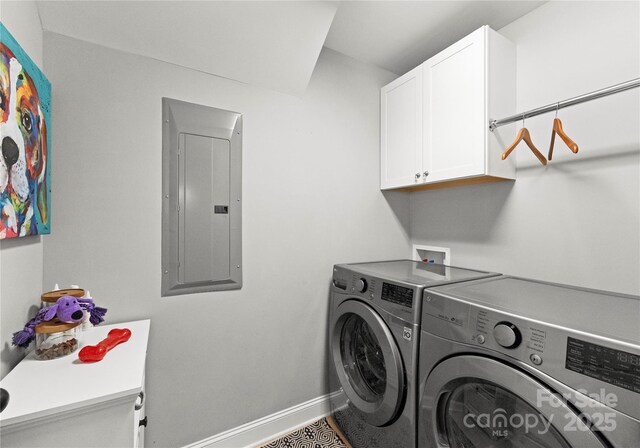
(511, 362)
(374, 330)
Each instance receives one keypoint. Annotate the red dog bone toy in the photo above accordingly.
(95, 353)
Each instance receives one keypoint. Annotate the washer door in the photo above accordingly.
(367, 362)
(477, 402)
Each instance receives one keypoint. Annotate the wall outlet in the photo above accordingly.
(432, 254)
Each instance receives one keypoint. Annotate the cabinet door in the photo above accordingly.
(401, 130)
(454, 114)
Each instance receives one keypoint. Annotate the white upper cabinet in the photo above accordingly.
(401, 130)
(454, 119)
(450, 144)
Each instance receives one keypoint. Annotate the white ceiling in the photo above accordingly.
(399, 35)
(273, 44)
(276, 44)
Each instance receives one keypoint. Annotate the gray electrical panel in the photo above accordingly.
(201, 198)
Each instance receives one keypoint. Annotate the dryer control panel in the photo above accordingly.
(617, 367)
(584, 362)
(488, 328)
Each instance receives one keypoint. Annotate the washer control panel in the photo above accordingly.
(396, 297)
(366, 287)
(397, 294)
(361, 284)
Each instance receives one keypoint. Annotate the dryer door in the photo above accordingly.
(367, 362)
(477, 402)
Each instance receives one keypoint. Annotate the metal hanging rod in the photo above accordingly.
(493, 124)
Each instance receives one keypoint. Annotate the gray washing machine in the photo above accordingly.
(511, 362)
(374, 334)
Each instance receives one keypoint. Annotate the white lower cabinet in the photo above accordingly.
(441, 134)
(139, 419)
(66, 403)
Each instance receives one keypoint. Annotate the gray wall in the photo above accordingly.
(577, 220)
(311, 199)
(20, 258)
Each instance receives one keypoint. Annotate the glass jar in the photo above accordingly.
(55, 339)
(50, 298)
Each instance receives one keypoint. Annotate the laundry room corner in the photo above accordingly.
(575, 220)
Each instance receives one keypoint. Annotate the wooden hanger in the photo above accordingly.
(523, 134)
(557, 129)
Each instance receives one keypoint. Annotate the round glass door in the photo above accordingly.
(481, 414)
(367, 362)
(363, 359)
(473, 401)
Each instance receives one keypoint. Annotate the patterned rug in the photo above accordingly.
(320, 434)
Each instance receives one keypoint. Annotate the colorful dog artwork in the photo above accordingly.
(25, 143)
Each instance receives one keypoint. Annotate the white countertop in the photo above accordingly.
(41, 388)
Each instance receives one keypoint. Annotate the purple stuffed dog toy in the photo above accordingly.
(66, 309)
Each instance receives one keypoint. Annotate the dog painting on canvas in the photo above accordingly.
(24, 143)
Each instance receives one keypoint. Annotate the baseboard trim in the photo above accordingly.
(271, 427)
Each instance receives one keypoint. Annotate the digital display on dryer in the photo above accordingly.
(397, 294)
(613, 366)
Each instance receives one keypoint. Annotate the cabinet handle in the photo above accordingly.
(417, 176)
(143, 422)
(141, 396)
(425, 174)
